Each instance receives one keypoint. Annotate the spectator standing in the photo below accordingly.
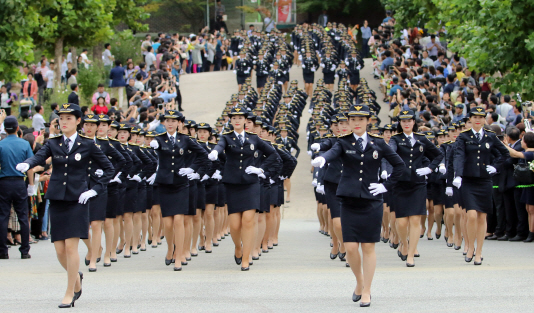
(85, 60)
(156, 45)
(53, 114)
(108, 57)
(150, 58)
(218, 53)
(100, 107)
(6, 99)
(38, 119)
(219, 9)
(366, 35)
(30, 88)
(72, 78)
(73, 97)
(49, 79)
(100, 92)
(117, 82)
(323, 19)
(269, 23)
(433, 47)
(13, 150)
(145, 44)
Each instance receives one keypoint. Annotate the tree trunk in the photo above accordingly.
(74, 57)
(58, 55)
(97, 53)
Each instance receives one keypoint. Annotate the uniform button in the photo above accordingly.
(172, 163)
(64, 183)
(477, 163)
(411, 154)
(89, 175)
(410, 161)
(410, 166)
(67, 157)
(362, 155)
(360, 179)
(173, 157)
(65, 165)
(90, 162)
(65, 174)
(341, 171)
(241, 161)
(172, 171)
(361, 171)
(172, 150)
(479, 151)
(411, 149)
(241, 155)
(479, 146)
(88, 168)
(478, 157)
(361, 163)
(241, 148)
(240, 167)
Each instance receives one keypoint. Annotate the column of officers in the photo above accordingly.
(377, 183)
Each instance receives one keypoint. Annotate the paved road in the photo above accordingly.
(297, 276)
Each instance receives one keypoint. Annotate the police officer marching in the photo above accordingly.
(68, 192)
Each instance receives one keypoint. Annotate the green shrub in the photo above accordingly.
(88, 80)
(124, 46)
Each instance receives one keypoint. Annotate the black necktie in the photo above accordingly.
(67, 144)
(172, 139)
(478, 136)
(240, 137)
(360, 143)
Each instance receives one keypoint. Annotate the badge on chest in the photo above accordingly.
(77, 157)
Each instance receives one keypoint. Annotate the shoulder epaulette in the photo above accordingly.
(133, 144)
(250, 133)
(489, 130)
(183, 134)
(85, 137)
(228, 133)
(447, 142)
(341, 136)
(113, 139)
(375, 135)
(160, 134)
(266, 140)
(100, 138)
(463, 131)
(420, 134)
(55, 136)
(397, 134)
(200, 141)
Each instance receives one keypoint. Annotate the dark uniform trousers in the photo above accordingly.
(14, 193)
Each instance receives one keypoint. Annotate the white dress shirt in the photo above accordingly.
(72, 140)
(481, 132)
(365, 139)
(411, 138)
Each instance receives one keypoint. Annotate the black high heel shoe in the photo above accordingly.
(356, 297)
(177, 269)
(64, 306)
(410, 264)
(238, 260)
(92, 270)
(78, 294)
(244, 269)
(168, 262)
(468, 260)
(457, 247)
(113, 260)
(478, 263)
(450, 245)
(333, 256)
(87, 262)
(342, 256)
(255, 258)
(184, 263)
(365, 304)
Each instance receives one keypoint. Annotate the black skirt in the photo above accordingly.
(308, 78)
(221, 202)
(476, 194)
(141, 197)
(155, 195)
(410, 199)
(260, 81)
(113, 200)
(98, 206)
(361, 219)
(329, 78)
(273, 196)
(438, 192)
(242, 197)
(122, 197)
(265, 200)
(192, 198)
(280, 194)
(201, 196)
(354, 78)
(333, 201)
(68, 219)
(527, 195)
(149, 195)
(130, 199)
(174, 199)
(319, 197)
(212, 194)
(449, 202)
(241, 79)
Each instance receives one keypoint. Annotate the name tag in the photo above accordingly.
(401, 144)
(164, 148)
(232, 146)
(350, 152)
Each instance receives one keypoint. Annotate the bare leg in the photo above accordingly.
(169, 235)
(179, 237)
(369, 267)
(247, 235)
(324, 210)
(465, 233)
(320, 217)
(393, 226)
(144, 228)
(216, 219)
(402, 231)
(128, 232)
(188, 231)
(481, 233)
(430, 218)
(137, 225)
(355, 262)
(67, 254)
(449, 222)
(96, 242)
(156, 220)
(459, 226)
(209, 223)
(472, 218)
(196, 228)
(336, 223)
(335, 242)
(415, 230)
(261, 232)
(438, 214)
(287, 185)
(235, 231)
(116, 233)
(109, 233)
(269, 227)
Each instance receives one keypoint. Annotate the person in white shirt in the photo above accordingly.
(85, 59)
(504, 107)
(107, 57)
(38, 121)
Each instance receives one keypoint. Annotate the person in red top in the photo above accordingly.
(100, 106)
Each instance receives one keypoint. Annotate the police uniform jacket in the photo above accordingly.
(69, 178)
(287, 161)
(240, 156)
(413, 157)
(308, 64)
(114, 156)
(333, 170)
(137, 164)
(262, 68)
(243, 65)
(471, 156)
(213, 165)
(128, 162)
(361, 168)
(172, 158)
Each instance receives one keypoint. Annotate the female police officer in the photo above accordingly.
(473, 168)
(173, 177)
(68, 192)
(241, 181)
(361, 206)
(410, 192)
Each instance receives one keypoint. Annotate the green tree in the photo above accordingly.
(413, 13)
(18, 18)
(345, 6)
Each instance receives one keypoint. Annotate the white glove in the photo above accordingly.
(23, 167)
(262, 176)
(31, 190)
(300, 58)
(235, 72)
(333, 68)
(280, 83)
(154, 144)
(314, 182)
(336, 76)
(377, 189)
(205, 55)
(253, 170)
(303, 66)
(423, 171)
(86, 195)
(213, 155)
(448, 191)
(193, 176)
(217, 175)
(315, 147)
(457, 182)
(318, 162)
(136, 178)
(116, 179)
(205, 177)
(442, 169)
(265, 72)
(322, 65)
(151, 179)
(310, 153)
(292, 150)
(347, 63)
(491, 169)
(313, 69)
(246, 72)
(282, 177)
(320, 189)
(384, 175)
(99, 172)
(271, 181)
(185, 171)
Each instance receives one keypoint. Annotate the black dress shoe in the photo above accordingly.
(421, 236)
(107, 264)
(25, 256)
(177, 269)
(255, 258)
(168, 261)
(438, 236)
(410, 264)
(403, 257)
(143, 249)
(478, 263)
(68, 305)
(492, 237)
(135, 252)
(194, 254)
(395, 245)
(149, 241)
(208, 251)
(503, 238)
(127, 256)
(342, 256)
(518, 238)
(430, 238)
(173, 261)
(200, 248)
(118, 251)
(215, 244)
(347, 265)
(98, 260)
(450, 245)
(530, 238)
(92, 270)
(275, 244)
(264, 251)
(356, 297)
(238, 260)
(457, 247)
(270, 248)
(78, 294)
(87, 262)
(417, 255)
(154, 246)
(184, 263)
(331, 245)
(333, 256)
(113, 260)
(468, 260)
(365, 304)
(188, 259)
(244, 269)
(4, 256)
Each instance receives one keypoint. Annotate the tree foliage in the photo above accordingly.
(345, 6)
(496, 37)
(17, 20)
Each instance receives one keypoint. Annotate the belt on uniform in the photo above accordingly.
(12, 178)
